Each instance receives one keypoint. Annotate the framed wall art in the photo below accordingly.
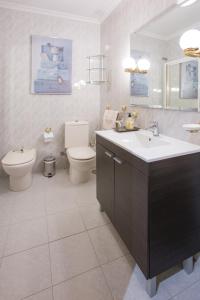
(189, 80)
(51, 71)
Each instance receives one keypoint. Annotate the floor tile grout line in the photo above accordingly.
(22, 251)
(110, 261)
(34, 294)
(100, 265)
(83, 221)
(75, 276)
(114, 260)
(6, 242)
(93, 268)
(98, 226)
(52, 293)
(110, 289)
(50, 241)
(90, 240)
(50, 262)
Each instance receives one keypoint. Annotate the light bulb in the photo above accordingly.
(143, 64)
(190, 39)
(188, 3)
(129, 64)
(82, 82)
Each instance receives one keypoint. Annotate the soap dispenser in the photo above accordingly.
(129, 122)
(123, 116)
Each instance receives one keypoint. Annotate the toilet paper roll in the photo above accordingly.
(48, 137)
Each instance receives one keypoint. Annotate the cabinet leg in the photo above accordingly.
(151, 286)
(188, 265)
(101, 208)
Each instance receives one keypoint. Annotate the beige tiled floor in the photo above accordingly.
(71, 256)
(55, 244)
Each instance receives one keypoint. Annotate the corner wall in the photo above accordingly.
(115, 43)
(23, 116)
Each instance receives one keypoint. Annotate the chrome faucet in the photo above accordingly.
(154, 128)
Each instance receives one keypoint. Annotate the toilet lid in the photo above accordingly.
(81, 153)
(16, 157)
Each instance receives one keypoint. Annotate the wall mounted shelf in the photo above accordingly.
(192, 128)
(96, 70)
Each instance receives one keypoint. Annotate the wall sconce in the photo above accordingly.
(190, 43)
(131, 66)
(80, 84)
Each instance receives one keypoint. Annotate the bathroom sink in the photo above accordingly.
(192, 127)
(144, 140)
(147, 141)
(148, 147)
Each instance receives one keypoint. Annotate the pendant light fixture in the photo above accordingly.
(190, 43)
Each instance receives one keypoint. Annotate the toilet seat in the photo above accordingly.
(81, 153)
(14, 158)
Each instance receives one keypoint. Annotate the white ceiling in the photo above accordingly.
(174, 22)
(88, 10)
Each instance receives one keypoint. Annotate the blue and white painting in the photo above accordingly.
(51, 65)
(189, 80)
(139, 81)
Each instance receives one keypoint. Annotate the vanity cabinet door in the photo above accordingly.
(131, 210)
(105, 179)
(123, 198)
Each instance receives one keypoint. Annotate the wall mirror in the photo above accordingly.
(164, 62)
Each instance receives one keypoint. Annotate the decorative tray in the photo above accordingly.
(123, 129)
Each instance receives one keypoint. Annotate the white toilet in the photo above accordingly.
(82, 158)
(18, 165)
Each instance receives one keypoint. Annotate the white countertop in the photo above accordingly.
(147, 147)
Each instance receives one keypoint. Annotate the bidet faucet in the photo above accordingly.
(154, 128)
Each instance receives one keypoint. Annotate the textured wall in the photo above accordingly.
(23, 116)
(129, 16)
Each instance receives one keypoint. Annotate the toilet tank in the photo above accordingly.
(76, 134)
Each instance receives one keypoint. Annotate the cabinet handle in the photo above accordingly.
(108, 154)
(117, 160)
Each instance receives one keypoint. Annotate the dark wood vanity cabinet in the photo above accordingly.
(120, 188)
(155, 206)
(105, 190)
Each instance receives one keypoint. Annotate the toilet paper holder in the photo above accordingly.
(48, 135)
(48, 130)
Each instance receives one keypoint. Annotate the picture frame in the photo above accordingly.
(51, 65)
(189, 80)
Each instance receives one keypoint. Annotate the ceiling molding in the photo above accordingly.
(168, 37)
(42, 11)
(180, 32)
(153, 35)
